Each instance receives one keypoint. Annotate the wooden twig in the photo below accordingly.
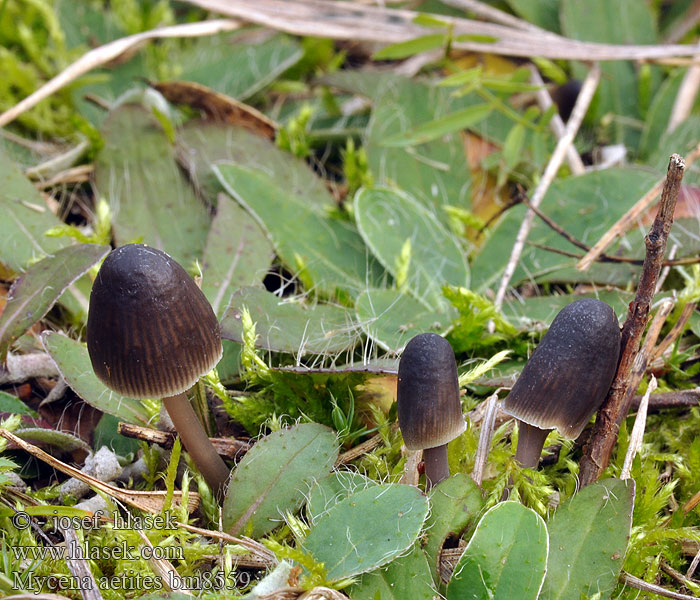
(640, 584)
(227, 447)
(582, 102)
(616, 406)
(668, 400)
(607, 258)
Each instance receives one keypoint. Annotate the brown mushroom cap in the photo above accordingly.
(151, 332)
(567, 377)
(430, 413)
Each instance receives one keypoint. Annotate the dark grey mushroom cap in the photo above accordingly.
(569, 374)
(151, 332)
(430, 413)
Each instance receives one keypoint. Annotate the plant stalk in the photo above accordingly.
(197, 444)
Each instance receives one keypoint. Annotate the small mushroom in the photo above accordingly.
(567, 377)
(430, 413)
(151, 333)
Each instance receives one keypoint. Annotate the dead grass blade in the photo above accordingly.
(350, 21)
(148, 501)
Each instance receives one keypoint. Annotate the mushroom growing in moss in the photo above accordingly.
(567, 377)
(151, 333)
(430, 413)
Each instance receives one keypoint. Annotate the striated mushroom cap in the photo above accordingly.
(151, 332)
(430, 413)
(569, 374)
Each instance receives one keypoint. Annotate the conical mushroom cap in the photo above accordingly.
(569, 374)
(430, 413)
(151, 332)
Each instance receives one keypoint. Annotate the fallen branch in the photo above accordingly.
(230, 448)
(617, 404)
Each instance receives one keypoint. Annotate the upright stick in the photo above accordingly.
(597, 452)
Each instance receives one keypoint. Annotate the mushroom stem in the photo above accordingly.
(436, 467)
(530, 442)
(196, 442)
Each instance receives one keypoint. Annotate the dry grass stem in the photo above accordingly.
(585, 96)
(637, 434)
(544, 101)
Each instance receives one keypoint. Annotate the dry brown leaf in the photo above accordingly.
(216, 106)
(143, 500)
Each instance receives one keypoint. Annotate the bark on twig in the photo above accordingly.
(617, 404)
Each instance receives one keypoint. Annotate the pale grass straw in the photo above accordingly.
(638, 430)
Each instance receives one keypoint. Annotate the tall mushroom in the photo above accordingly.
(151, 333)
(567, 377)
(430, 413)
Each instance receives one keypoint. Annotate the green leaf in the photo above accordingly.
(621, 22)
(12, 404)
(454, 504)
(436, 173)
(289, 325)
(505, 559)
(424, 43)
(25, 219)
(544, 13)
(391, 318)
(513, 147)
(324, 252)
(237, 254)
(367, 530)
(405, 577)
(586, 207)
(432, 130)
(386, 219)
(429, 20)
(149, 198)
(236, 68)
(203, 144)
(588, 535)
(36, 290)
(72, 359)
(528, 313)
(332, 489)
(274, 476)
